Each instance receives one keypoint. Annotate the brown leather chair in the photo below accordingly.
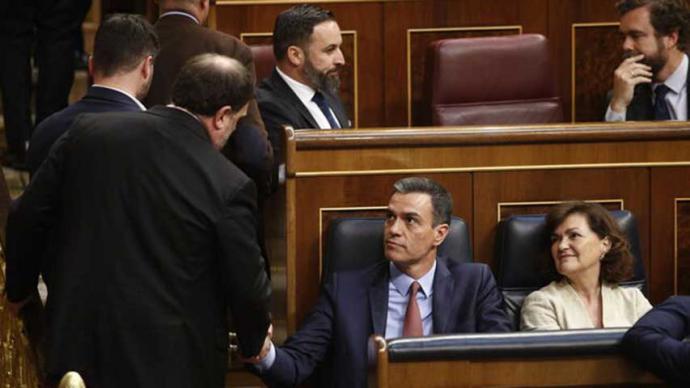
(264, 61)
(491, 80)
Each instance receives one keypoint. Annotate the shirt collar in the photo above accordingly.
(304, 92)
(139, 104)
(678, 78)
(181, 13)
(402, 281)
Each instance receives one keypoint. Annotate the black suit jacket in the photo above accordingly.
(154, 239)
(353, 305)
(280, 106)
(641, 107)
(48, 131)
(181, 39)
(657, 340)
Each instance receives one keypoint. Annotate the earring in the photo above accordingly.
(603, 254)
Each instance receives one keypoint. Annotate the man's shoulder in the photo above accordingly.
(464, 269)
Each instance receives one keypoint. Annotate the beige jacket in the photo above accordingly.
(559, 307)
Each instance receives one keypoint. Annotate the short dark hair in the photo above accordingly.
(441, 201)
(617, 263)
(295, 25)
(122, 42)
(208, 82)
(666, 17)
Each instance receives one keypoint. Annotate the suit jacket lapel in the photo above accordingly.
(287, 93)
(378, 300)
(444, 284)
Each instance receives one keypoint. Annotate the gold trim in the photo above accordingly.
(254, 34)
(355, 65)
(675, 241)
(337, 209)
(573, 26)
(290, 255)
(309, 174)
(508, 204)
(410, 31)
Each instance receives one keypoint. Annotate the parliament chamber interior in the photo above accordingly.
(502, 102)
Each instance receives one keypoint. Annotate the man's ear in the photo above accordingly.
(295, 55)
(440, 233)
(671, 40)
(220, 116)
(146, 67)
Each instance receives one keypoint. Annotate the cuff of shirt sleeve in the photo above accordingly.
(612, 115)
(267, 362)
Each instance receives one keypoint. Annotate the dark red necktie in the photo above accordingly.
(412, 326)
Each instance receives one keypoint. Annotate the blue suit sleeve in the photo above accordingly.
(491, 317)
(296, 360)
(656, 340)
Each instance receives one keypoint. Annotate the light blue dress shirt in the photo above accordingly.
(398, 296)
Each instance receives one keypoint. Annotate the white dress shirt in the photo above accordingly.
(305, 94)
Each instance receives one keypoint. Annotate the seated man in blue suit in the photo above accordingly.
(122, 70)
(657, 340)
(414, 293)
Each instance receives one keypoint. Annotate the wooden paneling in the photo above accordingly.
(605, 370)
(593, 68)
(670, 237)
(614, 186)
(382, 29)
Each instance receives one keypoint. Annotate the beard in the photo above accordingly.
(322, 80)
(656, 61)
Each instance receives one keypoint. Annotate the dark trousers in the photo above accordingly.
(44, 28)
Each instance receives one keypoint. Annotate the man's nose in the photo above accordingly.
(628, 44)
(339, 58)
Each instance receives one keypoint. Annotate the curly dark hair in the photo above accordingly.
(617, 263)
(666, 16)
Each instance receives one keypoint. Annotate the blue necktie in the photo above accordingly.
(320, 100)
(660, 108)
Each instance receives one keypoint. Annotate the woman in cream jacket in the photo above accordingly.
(590, 256)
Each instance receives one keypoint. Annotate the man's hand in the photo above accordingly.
(628, 74)
(264, 349)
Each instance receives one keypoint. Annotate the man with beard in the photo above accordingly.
(122, 69)
(303, 90)
(651, 82)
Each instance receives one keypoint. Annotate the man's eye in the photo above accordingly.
(410, 220)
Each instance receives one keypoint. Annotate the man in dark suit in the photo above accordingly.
(151, 236)
(651, 82)
(122, 69)
(43, 30)
(183, 36)
(657, 340)
(302, 91)
(412, 294)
